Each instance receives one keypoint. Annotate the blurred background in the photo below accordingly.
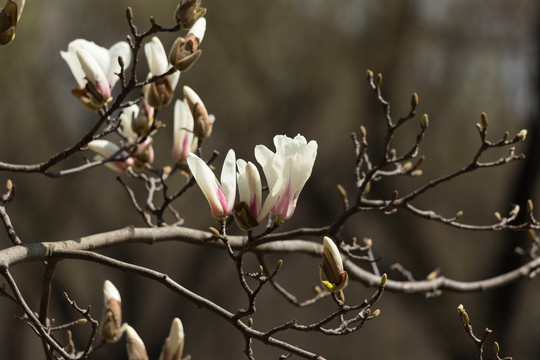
(289, 67)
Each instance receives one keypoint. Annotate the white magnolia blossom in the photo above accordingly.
(250, 191)
(158, 62)
(174, 344)
(287, 170)
(333, 275)
(105, 149)
(95, 64)
(220, 196)
(184, 141)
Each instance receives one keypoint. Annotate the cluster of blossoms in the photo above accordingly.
(287, 171)
(112, 329)
(96, 70)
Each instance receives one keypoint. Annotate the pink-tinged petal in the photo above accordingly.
(228, 179)
(94, 73)
(208, 183)
(183, 131)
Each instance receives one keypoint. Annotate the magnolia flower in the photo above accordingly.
(185, 50)
(174, 344)
(287, 170)
(9, 18)
(203, 122)
(250, 212)
(95, 69)
(220, 196)
(160, 92)
(333, 277)
(183, 139)
(111, 322)
(188, 12)
(106, 149)
(134, 345)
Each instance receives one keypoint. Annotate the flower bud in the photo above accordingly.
(203, 123)
(189, 11)
(184, 52)
(9, 17)
(144, 118)
(174, 344)
(134, 345)
(111, 321)
(333, 277)
(159, 93)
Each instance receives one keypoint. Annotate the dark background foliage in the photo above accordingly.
(288, 67)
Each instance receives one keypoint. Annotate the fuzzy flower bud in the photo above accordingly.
(134, 345)
(333, 276)
(111, 322)
(188, 12)
(174, 344)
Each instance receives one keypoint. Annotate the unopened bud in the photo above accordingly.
(9, 185)
(184, 52)
(167, 170)
(425, 121)
(214, 232)
(369, 74)
(121, 62)
(111, 320)
(189, 11)
(497, 215)
(414, 101)
(376, 313)
(463, 314)
(417, 172)
(279, 264)
(174, 343)
(515, 210)
(134, 345)
(496, 347)
(382, 282)
(522, 135)
(378, 81)
(407, 166)
(129, 14)
(332, 274)
(433, 275)
(530, 206)
(484, 120)
(363, 131)
(159, 93)
(459, 214)
(368, 242)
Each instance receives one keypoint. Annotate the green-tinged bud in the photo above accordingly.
(484, 120)
(214, 232)
(279, 264)
(121, 62)
(425, 121)
(369, 74)
(243, 216)
(129, 14)
(378, 81)
(497, 215)
(9, 17)
(521, 135)
(376, 313)
(530, 206)
(496, 348)
(134, 345)
(261, 270)
(332, 274)
(433, 275)
(414, 101)
(9, 185)
(279, 220)
(189, 11)
(463, 314)
(111, 321)
(506, 136)
(459, 214)
(382, 282)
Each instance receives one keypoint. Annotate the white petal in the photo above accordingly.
(126, 118)
(20, 7)
(94, 73)
(156, 56)
(110, 292)
(191, 95)
(198, 29)
(75, 66)
(183, 130)
(334, 251)
(120, 49)
(228, 179)
(103, 147)
(206, 179)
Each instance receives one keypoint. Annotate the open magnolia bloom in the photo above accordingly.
(9, 18)
(333, 276)
(185, 50)
(250, 211)
(95, 69)
(174, 344)
(220, 196)
(105, 149)
(111, 323)
(287, 170)
(183, 140)
(134, 345)
(160, 92)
